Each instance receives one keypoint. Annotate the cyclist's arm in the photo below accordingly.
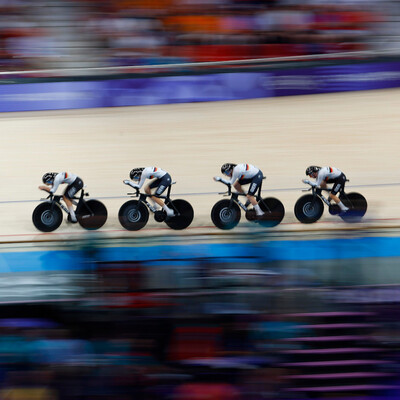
(320, 178)
(57, 180)
(144, 176)
(235, 176)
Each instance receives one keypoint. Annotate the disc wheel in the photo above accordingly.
(225, 214)
(47, 217)
(183, 214)
(308, 209)
(274, 211)
(92, 215)
(357, 205)
(133, 215)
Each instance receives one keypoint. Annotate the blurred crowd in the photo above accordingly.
(85, 33)
(253, 341)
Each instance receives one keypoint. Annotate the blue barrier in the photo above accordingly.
(265, 251)
(198, 88)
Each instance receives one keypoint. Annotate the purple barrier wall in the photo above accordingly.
(197, 88)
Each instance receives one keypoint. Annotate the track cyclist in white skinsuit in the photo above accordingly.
(324, 175)
(162, 180)
(243, 174)
(53, 180)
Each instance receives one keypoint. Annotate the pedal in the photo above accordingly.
(251, 215)
(160, 216)
(70, 220)
(264, 217)
(334, 209)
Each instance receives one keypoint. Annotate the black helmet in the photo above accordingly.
(48, 177)
(136, 173)
(311, 169)
(227, 167)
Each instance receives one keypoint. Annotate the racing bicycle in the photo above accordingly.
(226, 213)
(91, 214)
(310, 207)
(134, 214)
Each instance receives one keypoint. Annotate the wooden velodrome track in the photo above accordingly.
(358, 132)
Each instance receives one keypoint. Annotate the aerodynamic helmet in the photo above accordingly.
(227, 168)
(136, 173)
(48, 177)
(311, 169)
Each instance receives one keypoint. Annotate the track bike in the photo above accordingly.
(134, 214)
(310, 207)
(226, 213)
(91, 214)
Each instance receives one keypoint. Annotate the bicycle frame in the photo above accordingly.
(317, 192)
(144, 196)
(56, 199)
(235, 196)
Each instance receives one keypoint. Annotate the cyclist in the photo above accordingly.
(324, 175)
(53, 179)
(162, 180)
(243, 174)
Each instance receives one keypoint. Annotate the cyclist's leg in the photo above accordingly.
(161, 185)
(338, 186)
(152, 199)
(254, 185)
(69, 193)
(238, 185)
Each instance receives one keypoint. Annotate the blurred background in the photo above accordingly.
(67, 34)
(293, 312)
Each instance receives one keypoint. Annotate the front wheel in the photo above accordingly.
(274, 211)
(308, 209)
(47, 217)
(183, 214)
(357, 205)
(225, 214)
(133, 215)
(92, 215)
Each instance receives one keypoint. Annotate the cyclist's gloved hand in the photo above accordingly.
(217, 178)
(130, 183)
(306, 181)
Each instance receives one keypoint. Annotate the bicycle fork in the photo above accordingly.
(235, 199)
(325, 200)
(152, 208)
(64, 208)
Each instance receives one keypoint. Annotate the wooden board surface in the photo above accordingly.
(357, 132)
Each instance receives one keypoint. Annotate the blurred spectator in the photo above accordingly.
(79, 33)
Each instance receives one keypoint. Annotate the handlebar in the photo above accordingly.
(54, 197)
(314, 188)
(137, 192)
(50, 195)
(229, 191)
